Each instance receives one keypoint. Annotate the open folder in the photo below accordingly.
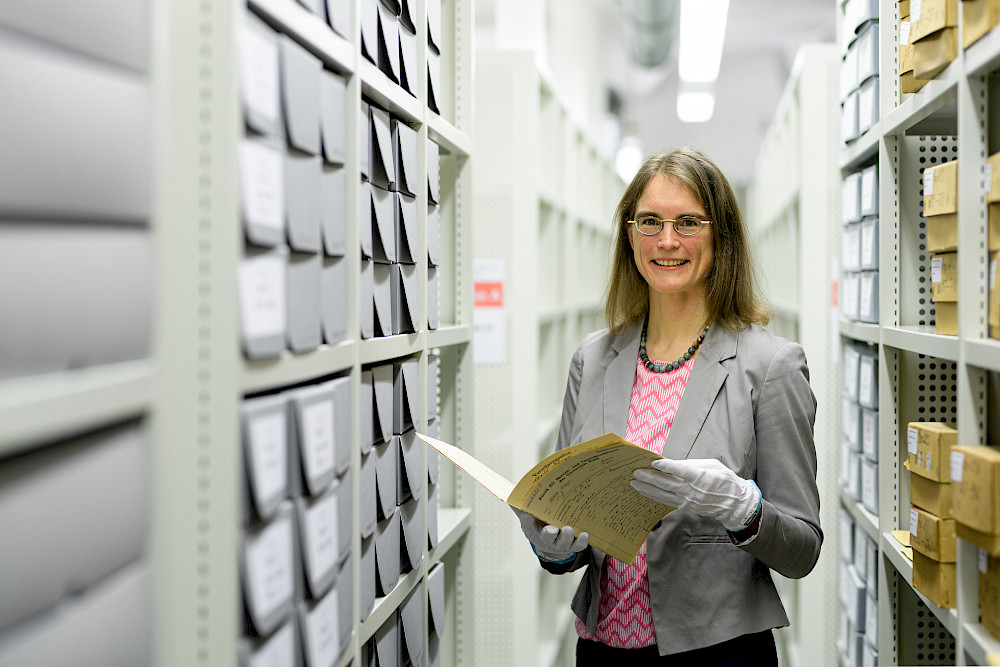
(585, 486)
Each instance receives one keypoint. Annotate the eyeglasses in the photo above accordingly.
(686, 225)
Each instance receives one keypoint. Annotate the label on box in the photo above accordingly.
(911, 440)
(868, 189)
(993, 274)
(866, 307)
(262, 296)
(262, 174)
(904, 31)
(927, 460)
(317, 435)
(322, 630)
(915, 6)
(321, 531)
(957, 466)
(936, 269)
(269, 568)
(914, 522)
(867, 244)
(278, 651)
(988, 180)
(270, 462)
(259, 73)
(865, 390)
(868, 431)
(928, 182)
(984, 558)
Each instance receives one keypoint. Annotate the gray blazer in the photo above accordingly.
(748, 404)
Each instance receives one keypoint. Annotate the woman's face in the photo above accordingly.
(670, 262)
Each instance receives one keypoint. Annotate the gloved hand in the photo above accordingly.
(703, 486)
(550, 542)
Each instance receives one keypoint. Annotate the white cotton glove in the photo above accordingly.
(703, 486)
(550, 542)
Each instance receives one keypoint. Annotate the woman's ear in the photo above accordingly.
(628, 235)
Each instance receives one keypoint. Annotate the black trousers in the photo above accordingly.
(755, 650)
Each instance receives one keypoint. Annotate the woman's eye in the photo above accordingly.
(690, 222)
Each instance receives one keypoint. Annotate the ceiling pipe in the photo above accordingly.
(650, 28)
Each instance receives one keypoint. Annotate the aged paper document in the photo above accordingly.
(585, 486)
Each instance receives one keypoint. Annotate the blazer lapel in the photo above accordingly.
(618, 380)
(703, 387)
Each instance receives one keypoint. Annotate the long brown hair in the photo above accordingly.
(734, 298)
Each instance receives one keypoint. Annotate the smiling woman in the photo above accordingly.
(732, 414)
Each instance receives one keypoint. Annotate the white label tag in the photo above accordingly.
(269, 567)
(867, 244)
(317, 434)
(911, 440)
(957, 466)
(915, 6)
(984, 559)
(262, 181)
(868, 190)
(321, 530)
(988, 177)
(936, 269)
(928, 182)
(323, 631)
(262, 296)
(259, 74)
(904, 31)
(993, 274)
(270, 461)
(914, 522)
(927, 460)
(278, 651)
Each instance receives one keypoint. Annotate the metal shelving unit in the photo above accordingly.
(952, 116)
(544, 203)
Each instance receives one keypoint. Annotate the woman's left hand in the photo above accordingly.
(703, 486)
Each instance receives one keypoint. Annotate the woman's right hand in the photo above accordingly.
(550, 542)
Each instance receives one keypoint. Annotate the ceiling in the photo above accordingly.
(583, 36)
(762, 37)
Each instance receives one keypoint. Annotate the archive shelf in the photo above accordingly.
(923, 375)
(207, 375)
(47, 407)
(543, 203)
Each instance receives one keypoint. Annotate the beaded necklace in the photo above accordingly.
(674, 365)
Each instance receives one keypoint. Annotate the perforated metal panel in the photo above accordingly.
(923, 640)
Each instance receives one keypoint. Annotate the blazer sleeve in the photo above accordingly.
(565, 430)
(790, 535)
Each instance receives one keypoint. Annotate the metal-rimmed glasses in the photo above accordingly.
(686, 225)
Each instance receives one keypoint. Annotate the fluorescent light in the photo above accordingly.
(695, 107)
(628, 158)
(702, 34)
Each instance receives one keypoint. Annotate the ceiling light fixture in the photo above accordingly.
(701, 36)
(695, 106)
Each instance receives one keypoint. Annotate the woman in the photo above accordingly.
(686, 370)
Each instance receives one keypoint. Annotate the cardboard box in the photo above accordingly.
(994, 312)
(934, 579)
(985, 541)
(932, 54)
(932, 16)
(946, 319)
(942, 232)
(941, 189)
(905, 45)
(928, 446)
(978, 18)
(944, 277)
(989, 593)
(932, 536)
(975, 478)
(994, 226)
(908, 84)
(935, 497)
(904, 8)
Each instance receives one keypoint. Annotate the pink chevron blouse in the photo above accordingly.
(624, 618)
